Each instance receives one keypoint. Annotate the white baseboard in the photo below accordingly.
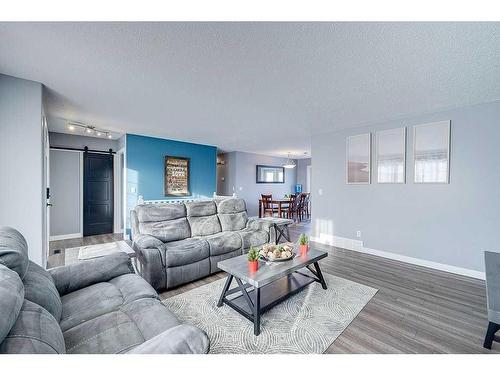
(65, 236)
(356, 245)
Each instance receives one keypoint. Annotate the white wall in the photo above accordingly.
(21, 155)
(448, 224)
(65, 194)
(240, 173)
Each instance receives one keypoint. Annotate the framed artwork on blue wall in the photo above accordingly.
(176, 182)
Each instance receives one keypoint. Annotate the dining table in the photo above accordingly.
(278, 203)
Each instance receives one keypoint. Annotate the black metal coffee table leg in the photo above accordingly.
(320, 275)
(224, 290)
(256, 312)
(281, 232)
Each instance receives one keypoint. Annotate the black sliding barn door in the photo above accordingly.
(97, 193)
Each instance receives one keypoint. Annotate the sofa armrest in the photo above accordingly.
(181, 339)
(259, 224)
(151, 260)
(84, 273)
(146, 241)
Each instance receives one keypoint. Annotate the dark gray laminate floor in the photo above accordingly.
(57, 248)
(416, 310)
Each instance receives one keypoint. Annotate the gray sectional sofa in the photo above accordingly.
(180, 242)
(94, 306)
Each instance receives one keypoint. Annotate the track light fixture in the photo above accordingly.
(88, 130)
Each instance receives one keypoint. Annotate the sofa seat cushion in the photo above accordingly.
(224, 242)
(167, 230)
(39, 288)
(190, 250)
(252, 237)
(34, 332)
(122, 329)
(101, 298)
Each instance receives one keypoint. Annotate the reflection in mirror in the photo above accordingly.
(431, 152)
(270, 175)
(358, 159)
(391, 156)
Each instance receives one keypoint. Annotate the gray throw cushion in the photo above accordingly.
(232, 222)
(251, 237)
(201, 208)
(204, 225)
(39, 288)
(190, 250)
(13, 250)
(231, 206)
(224, 242)
(35, 332)
(11, 299)
(168, 230)
(160, 212)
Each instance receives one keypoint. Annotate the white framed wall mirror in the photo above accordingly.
(431, 153)
(359, 159)
(391, 156)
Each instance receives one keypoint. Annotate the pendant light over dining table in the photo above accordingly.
(289, 163)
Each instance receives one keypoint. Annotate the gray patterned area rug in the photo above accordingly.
(308, 322)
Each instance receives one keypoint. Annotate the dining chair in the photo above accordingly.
(290, 210)
(267, 203)
(300, 206)
(307, 204)
(492, 268)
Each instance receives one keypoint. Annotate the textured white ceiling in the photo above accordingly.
(257, 87)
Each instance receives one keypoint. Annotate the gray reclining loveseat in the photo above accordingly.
(94, 306)
(180, 242)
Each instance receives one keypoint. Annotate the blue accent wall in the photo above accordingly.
(145, 167)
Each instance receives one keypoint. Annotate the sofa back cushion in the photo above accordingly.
(232, 214)
(34, 332)
(160, 212)
(204, 225)
(231, 206)
(13, 250)
(202, 217)
(39, 288)
(11, 299)
(201, 208)
(167, 222)
(168, 230)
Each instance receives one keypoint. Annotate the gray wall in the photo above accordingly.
(65, 175)
(302, 172)
(446, 223)
(21, 187)
(80, 141)
(239, 172)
